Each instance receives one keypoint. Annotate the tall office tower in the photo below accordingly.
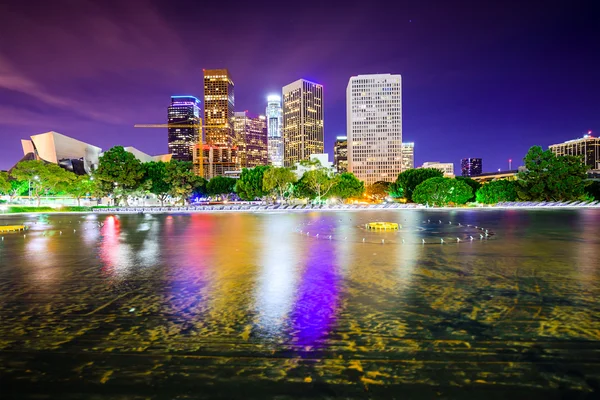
(374, 125)
(219, 153)
(408, 156)
(184, 110)
(302, 121)
(251, 139)
(340, 154)
(471, 166)
(275, 129)
(588, 147)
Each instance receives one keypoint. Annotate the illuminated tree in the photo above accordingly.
(81, 186)
(221, 186)
(497, 191)
(43, 177)
(347, 186)
(410, 179)
(250, 185)
(155, 175)
(471, 182)
(279, 181)
(4, 183)
(119, 173)
(379, 190)
(180, 178)
(441, 191)
(319, 181)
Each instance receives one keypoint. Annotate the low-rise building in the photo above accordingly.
(315, 161)
(446, 168)
(587, 147)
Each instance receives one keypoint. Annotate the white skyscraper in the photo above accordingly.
(374, 127)
(274, 129)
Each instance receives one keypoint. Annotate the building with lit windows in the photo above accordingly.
(219, 136)
(274, 114)
(408, 156)
(587, 147)
(471, 166)
(446, 168)
(340, 154)
(374, 127)
(302, 121)
(185, 111)
(251, 139)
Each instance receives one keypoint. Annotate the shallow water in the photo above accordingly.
(257, 305)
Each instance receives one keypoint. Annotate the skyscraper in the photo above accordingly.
(340, 154)
(251, 139)
(471, 166)
(302, 121)
(408, 156)
(275, 128)
(374, 124)
(219, 154)
(184, 110)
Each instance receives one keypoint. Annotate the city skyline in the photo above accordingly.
(493, 95)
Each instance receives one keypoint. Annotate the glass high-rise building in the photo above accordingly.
(340, 154)
(587, 147)
(251, 139)
(374, 127)
(275, 128)
(408, 156)
(471, 166)
(302, 121)
(184, 110)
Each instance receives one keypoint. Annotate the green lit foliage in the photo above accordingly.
(250, 185)
(319, 182)
(410, 179)
(119, 173)
(279, 181)
(44, 177)
(347, 186)
(155, 174)
(497, 191)
(441, 191)
(472, 183)
(551, 178)
(395, 190)
(221, 186)
(4, 183)
(18, 188)
(81, 186)
(379, 190)
(180, 178)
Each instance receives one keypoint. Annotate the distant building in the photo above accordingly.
(446, 168)
(321, 161)
(275, 130)
(496, 176)
(340, 154)
(588, 147)
(302, 121)
(471, 166)
(408, 156)
(374, 127)
(184, 110)
(72, 154)
(251, 139)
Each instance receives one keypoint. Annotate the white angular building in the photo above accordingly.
(446, 168)
(374, 127)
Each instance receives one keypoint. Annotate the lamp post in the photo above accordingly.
(510, 164)
(29, 192)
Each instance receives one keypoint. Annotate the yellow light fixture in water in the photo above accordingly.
(383, 226)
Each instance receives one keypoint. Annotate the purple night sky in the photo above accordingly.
(480, 78)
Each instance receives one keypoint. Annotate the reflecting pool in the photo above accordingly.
(253, 305)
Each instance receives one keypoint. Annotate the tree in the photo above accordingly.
(80, 186)
(441, 191)
(395, 190)
(319, 181)
(378, 190)
(4, 183)
(119, 173)
(181, 179)
(410, 179)
(250, 185)
(497, 191)
(221, 186)
(18, 188)
(472, 183)
(347, 185)
(279, 181)
(155, 175)
(593, 190)
(548, 177)
(44, 177)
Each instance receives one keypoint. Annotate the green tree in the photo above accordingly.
(279, 181)
(395, 190)
(119, 173)
(497, 191)
(347, 186)
(44, 177)
(593, 190)
(410, 179)
(441, 191)
(4, 183)
(551, 178)
(80, 186)
(471, 182)
(155, 175)
(221, 186)
(379, 190)
(320, 182)
(250, 185)
(181, 179)
(18, 188)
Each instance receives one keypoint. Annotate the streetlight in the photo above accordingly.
(35, 178)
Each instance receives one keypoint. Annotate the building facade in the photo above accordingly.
(219, 135)
(408, 156)
(471, 166)
(340, 154)
(374, 127)
(251, 139)
(184, 111)
(317, 161)
(446, 168)
(302, 121)
(587, 147)
(274, 114)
